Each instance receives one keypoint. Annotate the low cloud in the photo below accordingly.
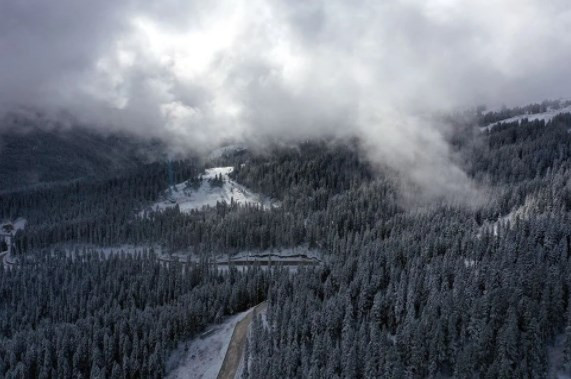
(197, 75)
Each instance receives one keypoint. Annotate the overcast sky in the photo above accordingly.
(198, 72)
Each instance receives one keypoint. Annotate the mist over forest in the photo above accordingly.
(251, 189)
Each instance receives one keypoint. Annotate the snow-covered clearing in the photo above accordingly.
(521, 213)
(7, 231)
(469, 263)
(202, 357)
(19, 224)
(8, 227)
(545, 116)
(208, 193)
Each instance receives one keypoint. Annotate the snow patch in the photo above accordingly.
(11, 227)
(556, 359)
(468, 263)
(521, 213)
(215, 186)
(545, 116)
(20, 224)
(8, 230)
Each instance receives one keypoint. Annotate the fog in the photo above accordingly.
(197, 75)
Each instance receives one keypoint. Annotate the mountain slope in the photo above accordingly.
(38, 156)
(215, 186)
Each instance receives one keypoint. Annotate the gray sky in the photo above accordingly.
(198, 73)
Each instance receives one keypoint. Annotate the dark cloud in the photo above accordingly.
(196, 74)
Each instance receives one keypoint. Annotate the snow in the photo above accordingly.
(189, 199)
(4, 259)
(556, 358)
(264, 315)
(203, 357)
(521, 213)
(19, 224)
(7, 231)
(545, 116)
(469, 263)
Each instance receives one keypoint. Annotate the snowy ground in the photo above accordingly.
(188, 198)
(263, 313)
(469, 263)
(521, 213)
(8, 227)
(202, 357)
(7, 231)
(546, 116)
(556, 359)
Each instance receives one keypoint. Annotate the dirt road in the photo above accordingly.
(237, 343)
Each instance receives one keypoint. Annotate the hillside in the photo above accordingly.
(32, 155)
(377, 286)
(212, 187)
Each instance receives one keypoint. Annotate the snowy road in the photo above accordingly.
(217, 352)
(202, 357)
(237, 343)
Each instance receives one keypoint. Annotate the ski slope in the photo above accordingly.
(207, 194)
(545, 116)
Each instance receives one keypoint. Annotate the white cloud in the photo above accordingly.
(196, 74)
